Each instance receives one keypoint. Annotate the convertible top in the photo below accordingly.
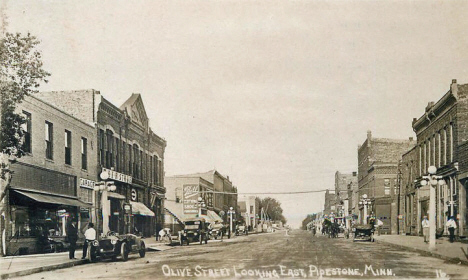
(363, 227)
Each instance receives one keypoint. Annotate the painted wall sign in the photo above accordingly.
(85, 183)
(191, 193)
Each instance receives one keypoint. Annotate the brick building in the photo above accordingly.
(378, 160)
(52, 183)
(225, 194)
(330, 203)
(344, 183)
(442, 132)
(182, 195)
(410, 196)
(129, 152)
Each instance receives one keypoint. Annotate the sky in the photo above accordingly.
(275, 94)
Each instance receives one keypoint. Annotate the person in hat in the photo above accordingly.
(72, 236)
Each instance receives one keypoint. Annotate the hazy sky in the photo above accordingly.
(275, 94)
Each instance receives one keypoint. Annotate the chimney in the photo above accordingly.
(454, 88)
(369, 138)
(354, 173)
(411, 138)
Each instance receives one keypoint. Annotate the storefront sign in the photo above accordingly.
(191, 193)
(85, 183)
(116, 176)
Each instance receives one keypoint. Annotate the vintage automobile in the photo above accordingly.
(217, 231)
(241, 229)
(363, 233)
(114, 245)
(196, 229)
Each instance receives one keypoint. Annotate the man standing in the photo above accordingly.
(451, 225)
(72, 235)
(90, 236)
(425, 226)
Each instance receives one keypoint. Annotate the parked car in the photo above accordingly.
(114, 245)
(217, 231)
(242, 229)
(196, 229)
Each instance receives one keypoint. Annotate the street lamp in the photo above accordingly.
(365, 202)
(201, 204)
(434, 180)
(230, 212)
(103, 187)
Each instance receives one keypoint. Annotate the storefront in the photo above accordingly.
(40, 203)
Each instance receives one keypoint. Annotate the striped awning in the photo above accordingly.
(139, 208)
(52, 199)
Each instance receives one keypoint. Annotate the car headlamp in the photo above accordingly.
(95, 243)
(196, 233)
(114, 241)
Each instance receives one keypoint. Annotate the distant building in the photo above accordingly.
(410, 196)
(343, 183)
(250, 210)
(378, 160)
(330, 203)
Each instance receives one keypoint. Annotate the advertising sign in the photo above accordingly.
(191, 193)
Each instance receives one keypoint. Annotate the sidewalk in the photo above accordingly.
(453, 252)
(14, 266)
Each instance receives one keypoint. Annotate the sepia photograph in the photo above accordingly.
(233, 139)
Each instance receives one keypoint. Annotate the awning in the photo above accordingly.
(52, 199)
(208, 219)
(115, 195)
(139, 208)
(215, 217)
(176, 217)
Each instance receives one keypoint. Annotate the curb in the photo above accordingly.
(42, 269)
(425, 253)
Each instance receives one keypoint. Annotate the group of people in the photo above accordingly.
(72, 235)
(450, 224)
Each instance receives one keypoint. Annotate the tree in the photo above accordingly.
(21, 73)
(307, 220)
(273, 209)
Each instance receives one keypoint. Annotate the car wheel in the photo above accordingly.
(142, 250)
(124, 252)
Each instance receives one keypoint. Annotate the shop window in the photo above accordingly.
(27, 132)
(49, 133)
(37, 222)
(68, 144)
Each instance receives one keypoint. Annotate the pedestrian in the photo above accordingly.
(90, 236)
(425, 226)
(72, 236)
(451, 225)
(162, 233)
(379, 225)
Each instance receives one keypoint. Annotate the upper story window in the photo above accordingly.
(178, 195)
(84, 153)
(27, 132)
(387, 186)
(68, 146)
(49, 133)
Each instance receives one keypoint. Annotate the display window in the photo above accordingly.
(39, 222)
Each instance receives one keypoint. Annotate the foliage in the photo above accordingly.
(273, 209)
(20, 75)
(307, 220)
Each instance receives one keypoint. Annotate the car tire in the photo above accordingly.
(142, 250)
(124, 251)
